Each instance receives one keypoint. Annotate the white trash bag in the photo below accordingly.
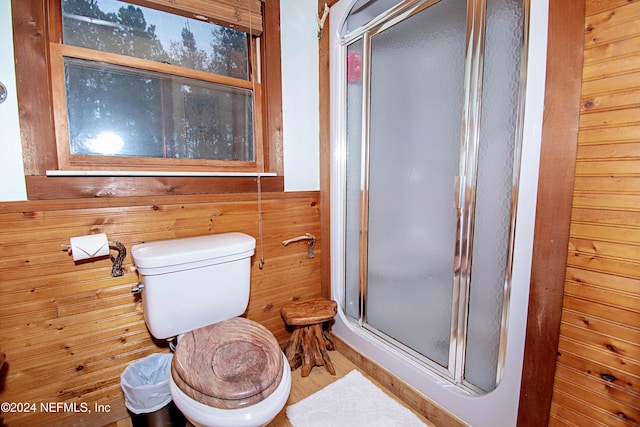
(145, 383)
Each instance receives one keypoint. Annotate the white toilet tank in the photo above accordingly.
(193, 282)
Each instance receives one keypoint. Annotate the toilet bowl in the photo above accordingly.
(231, 373)
(227, 371)
(259, 414)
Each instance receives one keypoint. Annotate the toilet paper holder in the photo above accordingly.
(116, 270)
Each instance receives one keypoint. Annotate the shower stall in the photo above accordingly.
(435, 139)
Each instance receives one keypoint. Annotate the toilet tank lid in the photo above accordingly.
(165, 253)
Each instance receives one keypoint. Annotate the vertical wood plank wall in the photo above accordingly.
(597, 380)
(69, 330)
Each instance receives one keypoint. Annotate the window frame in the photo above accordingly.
(34, 22)
(67, 161)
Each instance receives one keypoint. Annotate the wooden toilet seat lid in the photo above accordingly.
(230, 364)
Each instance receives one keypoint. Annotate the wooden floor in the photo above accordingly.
(303, 387)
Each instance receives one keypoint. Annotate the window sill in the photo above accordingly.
(111, 173)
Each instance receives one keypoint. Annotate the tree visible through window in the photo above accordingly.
(147, 84)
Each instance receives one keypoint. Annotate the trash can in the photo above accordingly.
(145, 384)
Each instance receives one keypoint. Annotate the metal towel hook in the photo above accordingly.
(307, 236)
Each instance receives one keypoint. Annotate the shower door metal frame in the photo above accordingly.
(464, 188)
(465, 185)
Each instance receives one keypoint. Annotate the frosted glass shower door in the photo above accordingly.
(433, 119)
(416, 104)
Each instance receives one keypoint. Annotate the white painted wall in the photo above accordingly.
(11, 169)
(300, 102)
(300, 97)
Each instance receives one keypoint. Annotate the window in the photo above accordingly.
(140, 89)
(37, 29)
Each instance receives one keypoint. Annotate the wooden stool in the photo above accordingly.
(308, 344)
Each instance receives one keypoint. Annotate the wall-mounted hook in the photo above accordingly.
(308, 236)
(322, 19)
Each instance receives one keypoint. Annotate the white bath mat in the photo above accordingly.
(351, 401)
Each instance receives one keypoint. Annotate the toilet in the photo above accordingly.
(226, 370)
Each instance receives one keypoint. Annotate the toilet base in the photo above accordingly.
(256, 415)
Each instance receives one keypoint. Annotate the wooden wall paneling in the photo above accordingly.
(625, 300)
(605, 29)
(613, 67)
(608, 343)
(601, 311)
(608, 257)
(588, 415)
(605, 201)
(593, 384)
(601, 408)
(605, 232)
(560, 413)
(71, 329)
(619, 134)
(619, 218)
(607, 184)
(602, 280)
(594, 7)
(614, 86)
(603, 151)
(609, 118)
(589, 403)
(598, 366)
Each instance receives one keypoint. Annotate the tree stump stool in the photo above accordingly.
(309, 344)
